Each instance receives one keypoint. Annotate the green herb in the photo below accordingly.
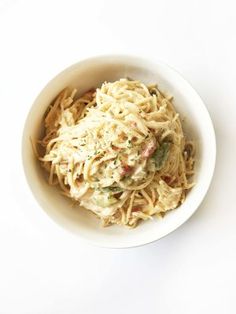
(129, 144)
(161, 154)
(113, 189)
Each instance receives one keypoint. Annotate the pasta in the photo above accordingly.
(119, 151)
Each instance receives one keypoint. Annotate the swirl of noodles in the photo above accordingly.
(118, 151)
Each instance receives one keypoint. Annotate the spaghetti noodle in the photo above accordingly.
(118, 151)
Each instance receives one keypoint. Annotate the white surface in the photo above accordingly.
(46, 270)
(92, 72)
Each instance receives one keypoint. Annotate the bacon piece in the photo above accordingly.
(136, 208)
(167, 179)
(133, 124)
(125, 170)
(149, 149)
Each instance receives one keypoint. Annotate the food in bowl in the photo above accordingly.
(119, 151)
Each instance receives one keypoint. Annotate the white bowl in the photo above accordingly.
(198, 126)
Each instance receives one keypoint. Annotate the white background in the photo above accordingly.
(43, 269)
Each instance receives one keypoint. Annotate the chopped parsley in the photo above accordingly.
(112, 189)
(129, 144)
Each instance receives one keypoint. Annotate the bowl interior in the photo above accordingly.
(92, 73)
